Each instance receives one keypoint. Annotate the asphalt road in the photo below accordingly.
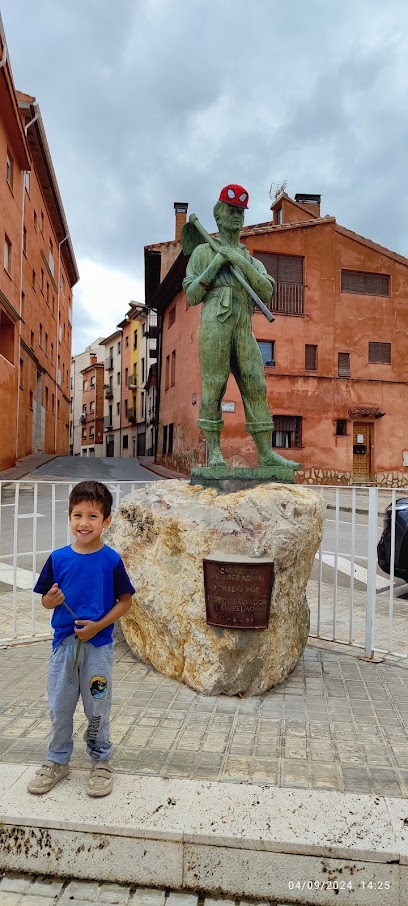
(79, 468)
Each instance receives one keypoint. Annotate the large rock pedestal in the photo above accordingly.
(164, 530)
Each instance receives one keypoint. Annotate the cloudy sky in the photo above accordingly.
(147, 102)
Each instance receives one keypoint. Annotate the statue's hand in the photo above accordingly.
(231, 255)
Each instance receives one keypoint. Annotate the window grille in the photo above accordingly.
(287, 431)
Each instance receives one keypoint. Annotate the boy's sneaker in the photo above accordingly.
(100, 781)
(47, 776)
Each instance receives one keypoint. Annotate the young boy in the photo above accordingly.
(91, 579)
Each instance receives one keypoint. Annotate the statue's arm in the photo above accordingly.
(254, 272)
(200, 274)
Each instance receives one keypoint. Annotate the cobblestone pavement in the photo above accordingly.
(337, 723)
(25, 890)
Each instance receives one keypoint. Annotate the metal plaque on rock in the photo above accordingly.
(238, 591)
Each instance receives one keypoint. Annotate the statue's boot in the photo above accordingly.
(212, 434)
(267, 456)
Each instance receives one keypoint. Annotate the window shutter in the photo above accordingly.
(310, 357)
(269, 261)
(365, 283)
(343, 364)
(379, 353)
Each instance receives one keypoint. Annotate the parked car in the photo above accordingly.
(401, 540)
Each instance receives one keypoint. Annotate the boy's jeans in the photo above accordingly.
(92, 680)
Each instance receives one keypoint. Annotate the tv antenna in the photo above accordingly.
(276, 189)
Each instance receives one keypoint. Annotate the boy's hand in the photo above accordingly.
(54, 597)
(88, 631)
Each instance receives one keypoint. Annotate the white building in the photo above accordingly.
(78, 363)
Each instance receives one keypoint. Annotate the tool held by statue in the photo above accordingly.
(192, 235)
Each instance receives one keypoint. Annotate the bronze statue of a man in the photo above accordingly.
(225, 339)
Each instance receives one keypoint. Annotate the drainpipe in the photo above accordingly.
(57, 343)
(26, 128)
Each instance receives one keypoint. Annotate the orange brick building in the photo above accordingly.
(335, 356)
(36, 278)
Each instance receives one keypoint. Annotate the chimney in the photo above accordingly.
(310, 202)
(180, 208)
(94, 358)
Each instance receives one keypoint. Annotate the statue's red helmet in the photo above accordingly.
(234, 194)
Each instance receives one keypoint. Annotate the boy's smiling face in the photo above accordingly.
(86, 522)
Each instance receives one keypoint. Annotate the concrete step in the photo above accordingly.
(285, 845)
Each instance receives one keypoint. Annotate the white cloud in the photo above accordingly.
(101, 300)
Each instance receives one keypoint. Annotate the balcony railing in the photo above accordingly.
(132, 382)
(288, 299)
(109, 363)
(109, 393)
(131, 415)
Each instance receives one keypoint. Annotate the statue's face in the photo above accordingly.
(231, 217)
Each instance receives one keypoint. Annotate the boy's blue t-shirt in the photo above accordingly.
(91, 583)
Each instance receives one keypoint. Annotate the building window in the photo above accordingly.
(287, 271)
(379, 353)
(172, 315)
(142, 405)
(92, 406)
(125, 442)
(84, 385)
(127, 342)
(93, 383)
(118, 378)
(343, 364)
(170, 439)
(22, 304)
(164, 448)
(42, 223)
(31, 399)
(167, 373)
(51, 257)
(117, 408)
(27, 181)
(173, 369)
(52, 353)
(46, 397)
(267, 348)
(9, 169)
(7, 255)
(33, 279)
(341, 427)
(135, 340)
(143, 370)
(32, 339)
(364, 283)
(21, 373)
(119, 347)
(35, 221)
(46, 345)
(24, 240)
(310, 357)
(7, 348)
(126, 407)
(287, 431)
(41, 335)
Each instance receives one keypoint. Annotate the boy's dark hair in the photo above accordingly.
(91, 490)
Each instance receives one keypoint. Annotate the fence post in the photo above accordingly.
(371, 570)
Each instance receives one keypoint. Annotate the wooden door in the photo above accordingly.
(361, 452)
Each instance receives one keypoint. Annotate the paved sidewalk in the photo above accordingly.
(25, 466)
(337, 723)
(27, 890)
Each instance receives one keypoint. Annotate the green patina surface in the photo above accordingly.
(226, 341)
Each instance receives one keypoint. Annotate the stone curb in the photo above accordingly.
(229, 839)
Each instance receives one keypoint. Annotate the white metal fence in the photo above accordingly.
(350, 599)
